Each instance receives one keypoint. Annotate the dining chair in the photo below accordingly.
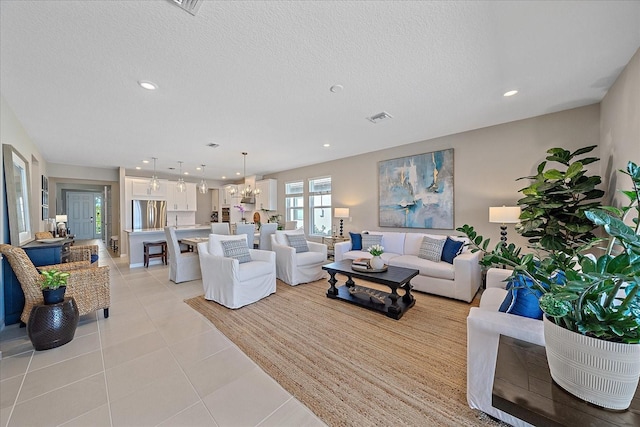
(220, 228)
(249, 230)
(266, 230)
(183, 266)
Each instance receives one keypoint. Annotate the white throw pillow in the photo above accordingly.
(215, 247)
(281, 235)
(431, 249)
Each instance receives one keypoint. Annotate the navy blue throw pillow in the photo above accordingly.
(356, 241)
(94, 258)
(522, 298)
(452, 248)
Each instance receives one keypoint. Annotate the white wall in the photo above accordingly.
(487, 163)
(12, 132)
(620, 128)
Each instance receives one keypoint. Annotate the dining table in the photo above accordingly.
(193, 241)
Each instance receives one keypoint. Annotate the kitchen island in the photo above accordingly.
(137, 236)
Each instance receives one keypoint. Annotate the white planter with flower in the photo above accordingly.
(376, 262)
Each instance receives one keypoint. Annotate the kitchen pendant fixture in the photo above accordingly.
(181, 186)
(246, 192)
(154, 183)
(202, 187)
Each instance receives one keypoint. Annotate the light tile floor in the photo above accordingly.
(153, 362)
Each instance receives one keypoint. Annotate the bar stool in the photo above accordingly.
(113, 242)
(148, 255)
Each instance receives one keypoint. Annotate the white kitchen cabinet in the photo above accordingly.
(267, 197)
(139, 188)
(182, 201)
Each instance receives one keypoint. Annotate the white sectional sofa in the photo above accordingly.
(485, 324)
(459, 280)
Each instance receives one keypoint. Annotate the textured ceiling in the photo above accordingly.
(255, 76)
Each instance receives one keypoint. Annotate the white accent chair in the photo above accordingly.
(485, 324)
(291, 225)
(266, 230)
(231, 283)
(183, 267)
(295, 268)
(220, 228)
(248, 230)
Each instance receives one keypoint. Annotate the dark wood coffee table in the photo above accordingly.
(388, 303)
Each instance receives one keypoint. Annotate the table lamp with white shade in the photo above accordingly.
(341, 213)
(61, 223)
(504, 215)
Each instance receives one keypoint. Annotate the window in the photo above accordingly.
(320, 206)
(294, 202)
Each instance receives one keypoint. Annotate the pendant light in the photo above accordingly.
(154, 183)
(246, 191)
(181, 186)
(202, 187)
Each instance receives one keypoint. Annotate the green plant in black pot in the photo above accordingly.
(54, 285)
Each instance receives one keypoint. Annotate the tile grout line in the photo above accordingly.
(15, 401)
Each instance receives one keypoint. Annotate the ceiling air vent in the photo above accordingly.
(379, 117)
(190, 6)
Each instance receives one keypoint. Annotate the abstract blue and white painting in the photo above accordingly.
(417, 191)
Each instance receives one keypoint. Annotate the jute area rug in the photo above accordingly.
(355, 367)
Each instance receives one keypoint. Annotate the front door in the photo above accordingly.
(83, 211)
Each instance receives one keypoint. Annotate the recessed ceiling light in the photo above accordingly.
(145, 161)
(147, 85)
(138, 167)
(510, 93)
(185, 173)
(326, 145)
(336, 88)
(224, 177)
(199, 168)
(237, 173)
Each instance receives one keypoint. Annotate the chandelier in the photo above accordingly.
(246, 191)
(154, 183)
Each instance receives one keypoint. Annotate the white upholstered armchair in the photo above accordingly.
(183, 267)
(230, 282)
(296, 264)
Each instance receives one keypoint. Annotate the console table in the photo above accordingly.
(40, 254)
(523, 388)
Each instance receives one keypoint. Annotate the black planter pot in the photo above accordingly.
(54, 296)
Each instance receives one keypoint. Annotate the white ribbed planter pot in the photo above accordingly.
(600, 372)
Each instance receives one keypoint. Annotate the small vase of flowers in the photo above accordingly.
(376, 262)
(242, 210)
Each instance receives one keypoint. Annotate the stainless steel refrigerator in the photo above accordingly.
(149, 214)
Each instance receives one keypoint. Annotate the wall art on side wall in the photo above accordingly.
(417, 191)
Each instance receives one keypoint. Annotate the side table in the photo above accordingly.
(330, 242)
(523, 388)
(51, 326)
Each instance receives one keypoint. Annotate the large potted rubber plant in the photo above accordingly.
(591, 305)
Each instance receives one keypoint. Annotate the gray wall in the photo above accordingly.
(620, 127)
(487, 163)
